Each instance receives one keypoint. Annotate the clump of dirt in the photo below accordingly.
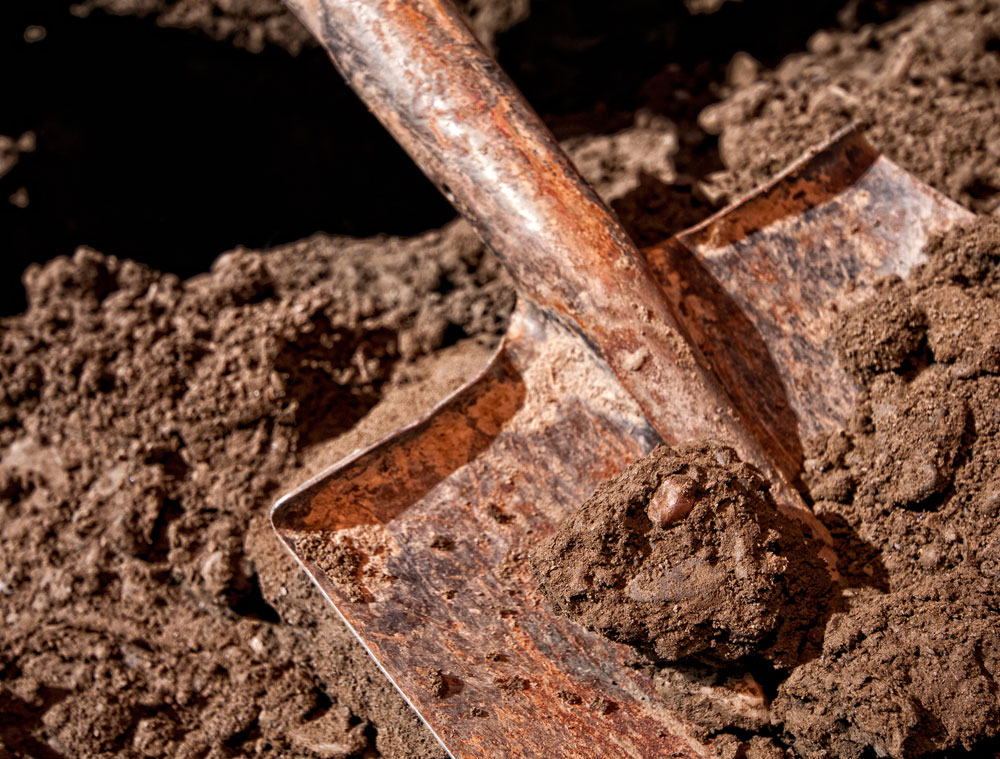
(685, 555)
(11, 149)
(908, 673)
(913, 669)
(925, 85)
(145, 423)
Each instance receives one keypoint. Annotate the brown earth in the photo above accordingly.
(146, 425)
(146, 422)
(912, 667)
(925, 85)
(686, 556)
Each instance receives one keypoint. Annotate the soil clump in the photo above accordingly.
(685, 555)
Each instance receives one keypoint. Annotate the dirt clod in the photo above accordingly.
(685, 554)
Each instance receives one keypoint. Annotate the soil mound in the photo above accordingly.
(914, 670)
(925, 84)
(145, 423)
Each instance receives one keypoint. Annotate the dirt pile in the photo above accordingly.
(685, 555)
(145, 423)
(914, 476)
(925, 84)
(908, 674)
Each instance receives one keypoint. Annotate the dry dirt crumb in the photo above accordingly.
(684, 554)
(11, 149)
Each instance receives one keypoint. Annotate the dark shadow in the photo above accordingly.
(860, 562)
(251, 604)
(166, 147)
(19, 719)
(570, 56)
(655, 211)
(321, 369)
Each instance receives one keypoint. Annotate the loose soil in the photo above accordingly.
(925, 85)
(145, 424)
(146, 421)
(912, 666)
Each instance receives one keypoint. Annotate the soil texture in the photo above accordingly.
(145, 424)
(925, 85)
(912, 666)
(685, 555)
(147, 421)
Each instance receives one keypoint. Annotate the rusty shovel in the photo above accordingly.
(723, 331)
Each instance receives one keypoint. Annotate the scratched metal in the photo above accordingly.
(492, 470)
(759, 285)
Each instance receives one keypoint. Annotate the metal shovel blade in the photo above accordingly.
(420, 541)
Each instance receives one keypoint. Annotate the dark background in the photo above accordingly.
(167, 147)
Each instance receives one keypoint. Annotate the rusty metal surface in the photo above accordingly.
(446, 101)
(498, 464)
(483, 477)
(758, 286)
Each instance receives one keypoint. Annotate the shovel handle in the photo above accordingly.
(447, 102)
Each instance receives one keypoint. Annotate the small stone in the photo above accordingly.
(822, 43)
(633, 361)
(34, 33)
(672, 501)
(743, 70)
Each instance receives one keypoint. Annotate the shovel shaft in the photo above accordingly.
(446, 101)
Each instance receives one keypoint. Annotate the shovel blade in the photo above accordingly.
(421, 541)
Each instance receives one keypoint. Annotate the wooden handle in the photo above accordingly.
(447, 102)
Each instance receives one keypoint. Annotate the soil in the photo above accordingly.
(682, 555)
(146, 424)
(146, 421)
(925, 85)
(912, 667)
(685, 555)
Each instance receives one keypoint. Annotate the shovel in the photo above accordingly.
(420, 542)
